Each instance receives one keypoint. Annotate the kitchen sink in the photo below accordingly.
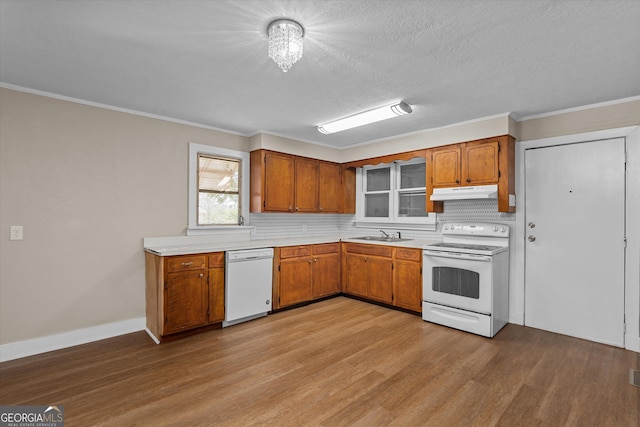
(381, 239)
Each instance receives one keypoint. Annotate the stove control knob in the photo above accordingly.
(446, 227)
(504, 229)
(495, 228)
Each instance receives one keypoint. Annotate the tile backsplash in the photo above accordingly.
(274, 225)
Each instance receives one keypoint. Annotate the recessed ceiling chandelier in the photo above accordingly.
(285, 42)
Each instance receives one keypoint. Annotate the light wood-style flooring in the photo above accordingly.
(339, 362)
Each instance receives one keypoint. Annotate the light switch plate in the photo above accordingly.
(16, 232)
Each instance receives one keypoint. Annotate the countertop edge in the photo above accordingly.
(198, 248)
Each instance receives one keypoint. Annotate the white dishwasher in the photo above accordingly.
(247, 285)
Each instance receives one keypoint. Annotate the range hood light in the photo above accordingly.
(364, 118)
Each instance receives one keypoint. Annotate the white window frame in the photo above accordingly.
(420, 223)
(208, 150)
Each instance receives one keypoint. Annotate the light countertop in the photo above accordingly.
(185, 245)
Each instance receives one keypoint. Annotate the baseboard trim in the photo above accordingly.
(632, 343)
(19, 349)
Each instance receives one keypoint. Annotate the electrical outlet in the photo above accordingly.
(16, 232)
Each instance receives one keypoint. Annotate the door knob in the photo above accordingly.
(532, 238)
(532, 225)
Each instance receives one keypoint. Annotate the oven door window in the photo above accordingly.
(456, 281)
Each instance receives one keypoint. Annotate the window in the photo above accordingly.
(218, 188)
(393, 193)
(412, 182)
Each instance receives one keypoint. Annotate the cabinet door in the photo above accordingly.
(407, 285)
(216, 295)
(185, 301)
(329, 187)
(306, 185)
(326, 275)
(278, 182)
(480, 163)
(356, 275)
(446, 166)
(295, 281)
(380, 279)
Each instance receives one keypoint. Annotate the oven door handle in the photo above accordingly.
(455, 255)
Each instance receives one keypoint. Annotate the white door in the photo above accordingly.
(574, 248)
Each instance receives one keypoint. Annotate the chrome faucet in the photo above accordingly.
(384, 234)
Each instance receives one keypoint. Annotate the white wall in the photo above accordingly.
(87, 184)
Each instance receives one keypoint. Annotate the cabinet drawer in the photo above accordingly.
(328, 248)
(216, 259)
(369, 249)
(295, 251)
(185, 262)
(409, 254)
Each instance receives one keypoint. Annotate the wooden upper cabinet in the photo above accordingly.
(480, 163)
(329, 184)
(445, 166)
(278, 182)
(286, 183)
(306, 185)
(272, 181)
(348, 190)
(471, 163)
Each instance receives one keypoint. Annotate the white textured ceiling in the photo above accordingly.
(206, 61)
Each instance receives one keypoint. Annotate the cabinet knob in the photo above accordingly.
(309, 261)
(457, 181)
(320, 209)
(187, 264)
(468, 180)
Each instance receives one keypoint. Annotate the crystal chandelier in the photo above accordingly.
(285, 42)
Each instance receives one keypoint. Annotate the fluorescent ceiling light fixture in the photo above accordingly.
(371, 116)
(285, 42)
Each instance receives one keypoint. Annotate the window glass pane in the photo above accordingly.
(378, 179)
(413, 176)
(376, 205)
(217, 174)
(412, 205)
(218, 208)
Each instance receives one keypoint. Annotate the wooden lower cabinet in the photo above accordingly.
(326, 274)
(183, 292)
(185, 301)
(380, 279)
(295, 281)
(356, 274)
(305, 273)
(407, 279)
(386, 274)
(216, 287)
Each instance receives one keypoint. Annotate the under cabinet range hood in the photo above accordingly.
(465, 193)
